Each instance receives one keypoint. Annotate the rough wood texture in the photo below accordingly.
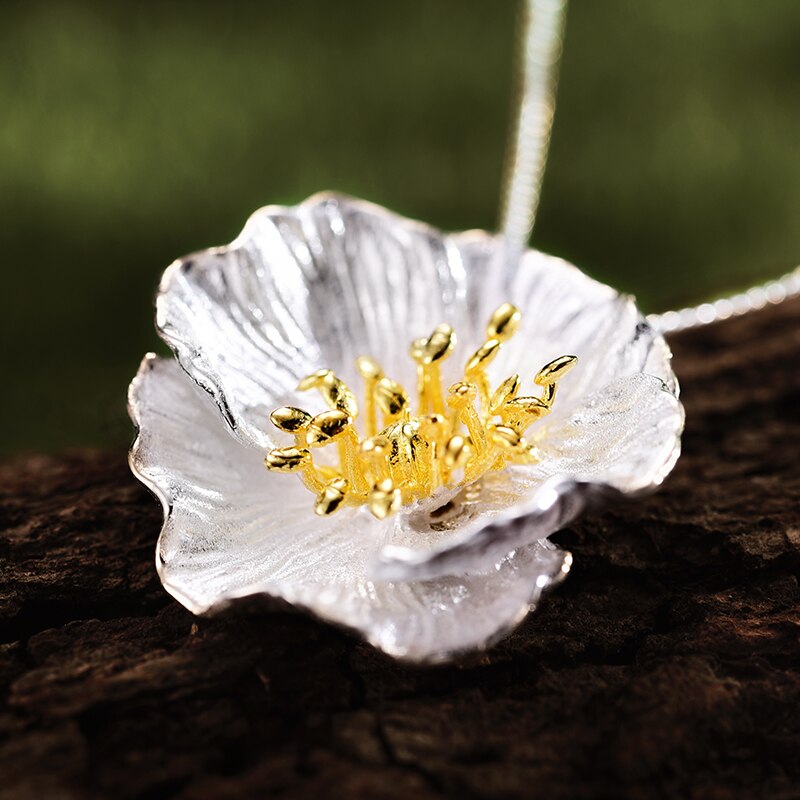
(668, 664)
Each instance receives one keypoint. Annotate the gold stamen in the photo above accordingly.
(461, 399)
(335, 392)
(384, 499)
(509, 443)
(313, 380)
(326, 427)
(555, 370)
(456, 456)
(295, 459)
(435, 428)
(505, 438)
(335, 425)
(371, 372)
(504, 393)
(427, 353)
(352, 468)
(287, 459)
(522, 412)
(414, 455)
(475, 370)
(392, 400)
(290, 420)
(374, 453)
(504, 322)
(331, 497)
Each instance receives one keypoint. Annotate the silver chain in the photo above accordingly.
(542, 32)
(753, 299)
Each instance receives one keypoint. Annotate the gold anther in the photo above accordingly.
(391, 398)
(455, 457)
(504, 393)
(504, 322)
(555, 370)
(461, 394)
(339, 396)
(375, 454)
(335, 392)
(504, 437)
(521, 412)
(456, 452)
(384, 499)
(331, 497)
(295, 459)
(314, 380)
(482, 357)
(436, 347)
(326, 427)
(368, 368)
(290, 419)
(287, 459)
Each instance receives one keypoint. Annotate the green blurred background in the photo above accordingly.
(132, 133)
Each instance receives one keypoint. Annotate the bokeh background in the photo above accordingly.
(132, 133)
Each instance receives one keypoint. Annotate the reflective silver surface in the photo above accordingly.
(753, 299)
(316, 286)
(541, 34)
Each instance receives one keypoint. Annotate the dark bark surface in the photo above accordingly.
(667, 665)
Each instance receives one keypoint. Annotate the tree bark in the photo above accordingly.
(667, 665)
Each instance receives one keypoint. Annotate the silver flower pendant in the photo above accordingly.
(426, 527)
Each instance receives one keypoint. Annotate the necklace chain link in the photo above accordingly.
(542, 37)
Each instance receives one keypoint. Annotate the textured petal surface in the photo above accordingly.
(306, 288)
(566, 312)
(333, 279)
(232, 531)
(319, 285)
(622, 440)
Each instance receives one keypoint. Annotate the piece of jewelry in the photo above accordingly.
(451, 440)
(459, 561)
(541, 49)
(754, 299)
(426, 527)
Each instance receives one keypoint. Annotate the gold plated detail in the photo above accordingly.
(454, 437)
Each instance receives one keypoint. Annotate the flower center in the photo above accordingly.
(453, 439)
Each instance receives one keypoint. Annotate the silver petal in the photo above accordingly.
(318, 285)
(623, 440)
(232, 531)
(332, 279)
(565, 311)
(305, 288)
